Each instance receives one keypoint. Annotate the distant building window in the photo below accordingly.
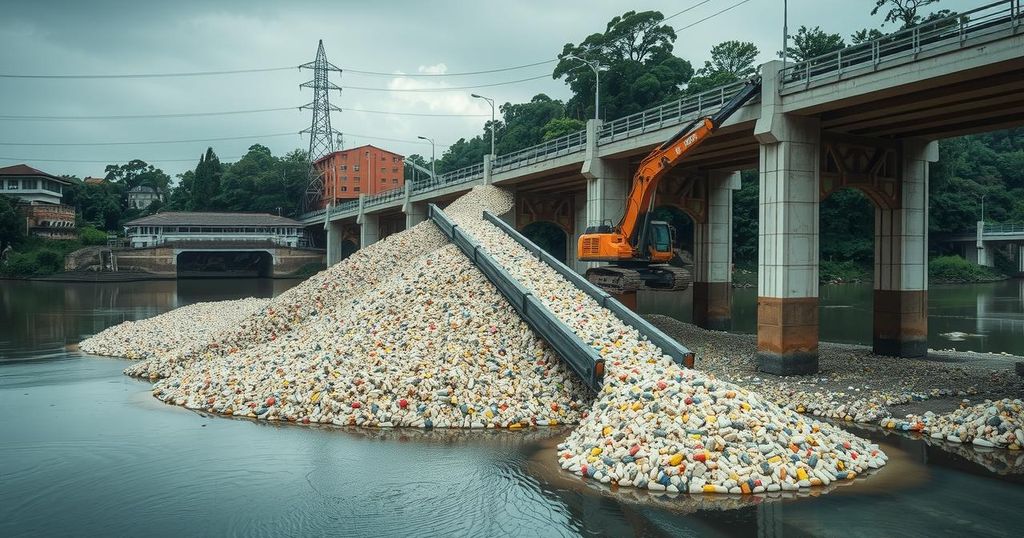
(29, 184)
(355, 167)
(344, 188)
(357, 188)
(394, 180)
(394, 160)
(383, 180)
(356, 178)
(344, 178)
(367, 153)
(395, 170)
(12, 184)
(344, 167)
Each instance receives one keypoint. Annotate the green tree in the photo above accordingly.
(206, 183)
(635, 50)
(730, 61)
(12, 226)
(138, 172)
(811, 42)
(560, 127)
(902, 12)
(865, 35)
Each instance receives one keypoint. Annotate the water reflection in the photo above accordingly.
(991, 314)
(46, 316)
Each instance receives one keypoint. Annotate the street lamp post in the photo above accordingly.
(490, 102)
(597, 83)
(433, 174)
(983, 208)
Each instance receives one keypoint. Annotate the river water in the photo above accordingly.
(86, 451)
(988, 317)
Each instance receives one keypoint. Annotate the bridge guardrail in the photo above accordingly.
(956, 28)
(555, 147)
(581, 358)
(455, 177)
(679, 353)
(1003, 229)
(383, 197)
(672, 113)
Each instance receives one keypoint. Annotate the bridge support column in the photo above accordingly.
(369, 225)
(901, 260)
(608, 182)
(334, 239)
(1020, 259)
(787, 277)
(712, 260)
(488, 168)
(415, 213)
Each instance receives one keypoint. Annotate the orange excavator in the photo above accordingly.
(639, 248)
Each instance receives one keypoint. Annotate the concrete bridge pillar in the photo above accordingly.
(369, 225)
(488, 169)
(712, 256)
(1020, 258)
(415, 213)
(334, 239)
(787, 256)
(901, 260)
(983, 254)
(608, 182)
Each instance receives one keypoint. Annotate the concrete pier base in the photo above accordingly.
(787, 335)
(901, 323)
(712, 305)
(628, 299)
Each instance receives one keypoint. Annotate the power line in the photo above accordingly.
(110, 161)
(143, 116)
(225, 113)
(457, 88)
(392, 139)
(151, 75)
(678, 13)
(717, 13)
(264, 70)
(141, 143)
(462, 74)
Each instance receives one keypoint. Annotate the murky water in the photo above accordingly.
(86, 451)
(990, 317)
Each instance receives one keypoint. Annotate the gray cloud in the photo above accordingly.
(190, 35)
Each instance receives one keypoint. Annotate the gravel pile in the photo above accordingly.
(998, 424)
(175, 331)
(330, 289)
(433, 346)
(663, 428)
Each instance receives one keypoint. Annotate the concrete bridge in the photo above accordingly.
(212, 258)
(865, 117)
(979, 247)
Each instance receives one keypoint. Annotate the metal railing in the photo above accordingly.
(383, 197)
(1002, 229)
(581, 357)
(688, 108)
(556, 147)
(345, 207)
(955, 29)
(455, 177)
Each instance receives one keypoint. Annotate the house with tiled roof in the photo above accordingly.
(39, 198)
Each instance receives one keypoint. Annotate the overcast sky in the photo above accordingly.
(131, 37)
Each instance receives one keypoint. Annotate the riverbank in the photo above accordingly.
(854, 384)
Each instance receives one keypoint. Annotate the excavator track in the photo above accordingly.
(681, 277)
(616, 279)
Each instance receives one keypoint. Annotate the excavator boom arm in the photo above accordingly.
(666, 156)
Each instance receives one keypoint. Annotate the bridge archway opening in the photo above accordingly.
(682, 221)
(223, 264)
(348, 247)
(548, 236)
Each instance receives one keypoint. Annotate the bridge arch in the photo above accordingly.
(224, 262)
(550, 236)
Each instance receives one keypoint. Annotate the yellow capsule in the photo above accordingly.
(676, 459)
(708, 488)
(801, 474)
(316, 397)
(552, 422)
(637, 406)
(596, 451)
(774, 459)
(606, 431)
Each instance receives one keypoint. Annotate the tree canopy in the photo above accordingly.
(811, 42)
(635, 51)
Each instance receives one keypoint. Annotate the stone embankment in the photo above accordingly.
(408, 333)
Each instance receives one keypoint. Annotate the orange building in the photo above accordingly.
(363, 170)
